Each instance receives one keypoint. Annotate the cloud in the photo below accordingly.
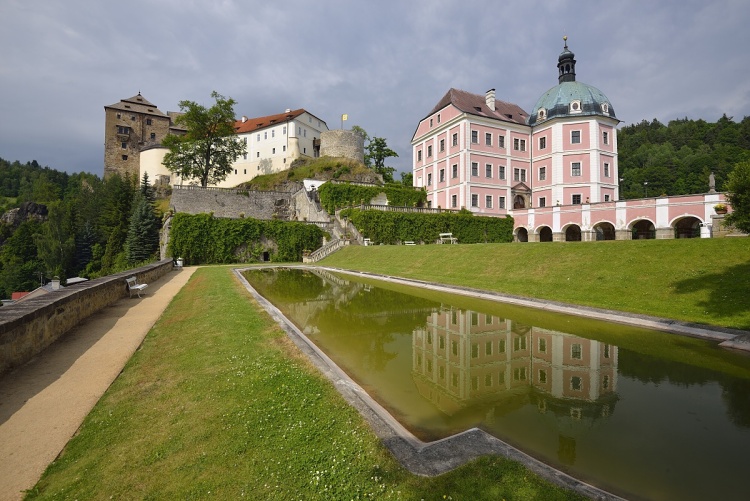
(385, 63)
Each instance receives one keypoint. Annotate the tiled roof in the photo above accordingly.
(137, 104)
(475, 104)
(253, 124)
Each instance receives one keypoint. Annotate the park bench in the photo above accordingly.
(134, 286)
(409, 242)
(367, 242)
(447, 238)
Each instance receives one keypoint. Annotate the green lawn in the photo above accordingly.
(218, 403)
(696, 280)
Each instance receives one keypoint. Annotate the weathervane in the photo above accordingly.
(565, 39)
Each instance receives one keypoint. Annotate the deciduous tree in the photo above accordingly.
(208, 149)
(738, 187)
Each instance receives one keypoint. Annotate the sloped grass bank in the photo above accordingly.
(217, 403)
(696, 280)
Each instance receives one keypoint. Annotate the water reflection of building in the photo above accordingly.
(464, 358)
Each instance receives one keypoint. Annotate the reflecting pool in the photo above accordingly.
(639, 413)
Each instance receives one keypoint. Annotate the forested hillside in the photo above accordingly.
(677, 158)
(68, 224)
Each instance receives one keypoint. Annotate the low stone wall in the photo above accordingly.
(232, 203)
(28, 327)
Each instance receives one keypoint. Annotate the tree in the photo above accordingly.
(376, 151)
(208, 149)
(407, 179)
(738, 187)
(142, 241)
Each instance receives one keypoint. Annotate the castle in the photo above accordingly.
(554, 170)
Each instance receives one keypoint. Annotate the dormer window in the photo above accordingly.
(605, 108)
(541, 114)
(575, 106)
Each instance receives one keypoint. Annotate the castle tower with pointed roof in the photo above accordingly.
(130, 126)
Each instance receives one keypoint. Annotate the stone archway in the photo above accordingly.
(643, 230)
(687, 227)
(545, 234)
(522, 235)
(604, 231)
(519, 202)
(573, 233)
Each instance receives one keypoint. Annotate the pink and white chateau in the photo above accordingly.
(554, 170)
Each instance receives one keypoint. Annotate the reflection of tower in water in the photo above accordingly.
(464, 359)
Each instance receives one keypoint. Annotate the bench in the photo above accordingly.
(134, 286)
(447, 237)
(367, 242)
(409, 242)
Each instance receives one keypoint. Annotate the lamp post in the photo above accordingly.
(645, 188)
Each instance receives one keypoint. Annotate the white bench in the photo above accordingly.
(134, 286)
(367, 242)
(447, 237)
(409, 242)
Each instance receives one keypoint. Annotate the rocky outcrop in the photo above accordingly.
(27, 210)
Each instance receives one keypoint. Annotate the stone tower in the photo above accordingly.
(130, 126)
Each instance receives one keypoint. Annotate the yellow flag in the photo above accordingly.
(345, 117)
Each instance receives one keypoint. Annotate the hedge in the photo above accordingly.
(396, 227)
(204, 239)
(335, 196)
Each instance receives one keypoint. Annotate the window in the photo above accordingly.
(454, 171)
(119, 115)
(419, 155)
(501, 141)
(488, 348)
(488, 139)
(123, 130)
(519, 374)
(606, 170)
(438, 117)
(488, 170)
(265, 135)
(519, 343)
(124, 157)
(429, 179)
(124, 145)
(153, 135)
(258, 137)
(605, 382)
(501, 349)
(576, 384)
(501, 171)
(235, 172)
(542, 202)
(474, 169)
(542, 143)
(148, 121)
(430, 122)
(442, 175)
(519, 144)
(454, 347)
(542, 173)
(575, 169)
(442, 145)
(542, 376)
(429, 151)
(519, 175)
(606, 351)
(605, 137)
(474, 350)
(283, 131)
(474, 137)
(575, 106)
(488, 379)
(441, 342)
(488, 201)
(273, 133)
(283, 148)
(576, 200)
(501, 202)
(273, 151)
(454, 201)
(257, 154)
(606, 198)
(244, 157)
(575, 137)
(474, 200)
(455, 139)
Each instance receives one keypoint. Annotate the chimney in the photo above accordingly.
(55, 283)
(489, 98)
(244, 119)
(288, 110)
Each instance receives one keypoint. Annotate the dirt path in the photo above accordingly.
(44, 402)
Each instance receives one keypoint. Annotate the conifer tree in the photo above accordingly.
(142, 242)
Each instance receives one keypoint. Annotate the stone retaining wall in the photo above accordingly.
(232, 203)
(28, 327)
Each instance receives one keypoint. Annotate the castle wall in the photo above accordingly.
(342, 143)
(231, 203)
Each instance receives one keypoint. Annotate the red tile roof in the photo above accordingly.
(253, 124)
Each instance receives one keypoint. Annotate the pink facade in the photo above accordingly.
(555, 170)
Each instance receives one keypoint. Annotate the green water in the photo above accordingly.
(640, 413)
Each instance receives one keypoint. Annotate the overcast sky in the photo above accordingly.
(385, 63)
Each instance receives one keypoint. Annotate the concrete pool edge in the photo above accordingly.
(726, 337)
(420, 458)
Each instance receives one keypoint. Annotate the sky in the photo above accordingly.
(385, 63)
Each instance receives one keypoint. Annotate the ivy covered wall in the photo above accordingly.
(395, 227)
(335, 196)
(205, 239)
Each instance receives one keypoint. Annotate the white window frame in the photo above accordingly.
(500, 202)
(475, 169)
(543, 173)
(474, 200)
(575, 137)
(474, 137)
(488, 201)
(575, 167)
(488, 170)
(488, 139)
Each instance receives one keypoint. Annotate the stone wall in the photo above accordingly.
(232, 203)
(28, 327)
(342, 143)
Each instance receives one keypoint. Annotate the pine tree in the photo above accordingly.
(142, 242)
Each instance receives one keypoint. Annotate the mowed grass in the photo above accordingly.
(218, 403)
(697, 280)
